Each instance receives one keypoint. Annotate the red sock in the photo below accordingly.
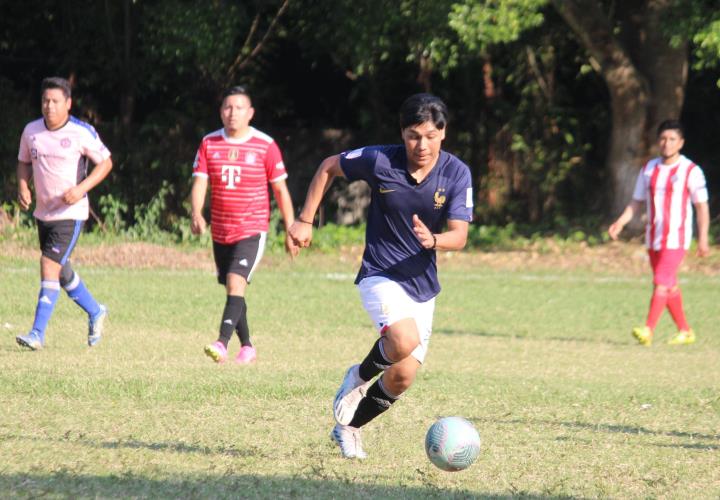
(675, 306)
(657, 305)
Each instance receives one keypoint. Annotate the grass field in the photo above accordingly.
(540, 361)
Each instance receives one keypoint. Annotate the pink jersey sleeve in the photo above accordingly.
(274, 165)
(24, 150)
(200, 163)
(92, 147)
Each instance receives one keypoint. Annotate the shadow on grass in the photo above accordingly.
(135, 444)
(70, 485)
(590, 340)
(621, 429)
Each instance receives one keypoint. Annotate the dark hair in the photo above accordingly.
(236, 90)
(421, 108)
(671, 125)
(55, 82)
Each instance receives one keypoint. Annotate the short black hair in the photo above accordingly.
(55, 82)
(236, 90)
(421, 108)
(671, 125)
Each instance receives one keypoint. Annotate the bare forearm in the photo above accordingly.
(285, 205)
(197, 195)
(24, 173)
(703, 221)
(321, 182)
(99, 172)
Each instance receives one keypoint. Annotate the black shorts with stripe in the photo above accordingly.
(58, 238)
(241, 257)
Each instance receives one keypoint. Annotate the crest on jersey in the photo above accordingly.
(250, 158)
(65, 142)
(233, 154)
(439, 198)
(33, 153)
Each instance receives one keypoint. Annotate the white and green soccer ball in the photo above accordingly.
(452, 444)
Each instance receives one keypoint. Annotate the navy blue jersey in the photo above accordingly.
(391, 248)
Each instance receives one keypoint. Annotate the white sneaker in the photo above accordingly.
(348, 396)
(349, 440)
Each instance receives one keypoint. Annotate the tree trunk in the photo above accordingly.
(645, 76)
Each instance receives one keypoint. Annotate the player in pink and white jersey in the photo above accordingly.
(238, 162)
(669, 186)
(55, 152)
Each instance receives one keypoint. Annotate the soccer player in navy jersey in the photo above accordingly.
(421, 202)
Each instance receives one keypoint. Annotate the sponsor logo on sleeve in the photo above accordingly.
(468, 198)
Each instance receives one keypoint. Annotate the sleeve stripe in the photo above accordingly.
(279, 178)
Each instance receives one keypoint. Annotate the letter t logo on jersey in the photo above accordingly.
(231, 175)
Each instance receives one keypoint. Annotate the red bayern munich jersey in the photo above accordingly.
(238, 172)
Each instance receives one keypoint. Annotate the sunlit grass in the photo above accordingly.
(541, 362)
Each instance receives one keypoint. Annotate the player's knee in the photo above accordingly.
(402, 344)
(66, 275)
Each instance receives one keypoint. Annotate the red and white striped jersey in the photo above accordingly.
(669, 192)
(238, 173)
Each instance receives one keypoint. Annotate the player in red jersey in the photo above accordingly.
(669, 186)
(238, 162)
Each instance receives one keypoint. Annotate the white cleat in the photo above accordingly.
(349, 440)
(348, 396)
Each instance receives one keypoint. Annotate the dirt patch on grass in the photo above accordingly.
(614, 258)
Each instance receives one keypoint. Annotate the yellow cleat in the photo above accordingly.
(643, 335)
(682, 338)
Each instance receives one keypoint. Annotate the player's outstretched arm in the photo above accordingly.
(301, 230)
(453, 239)
(703, 222)
(24, 174)
(197, 202)
(99, 172)
(616, 227)
(285, 205)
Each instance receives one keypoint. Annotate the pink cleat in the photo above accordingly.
(246, 355)
(216, 351)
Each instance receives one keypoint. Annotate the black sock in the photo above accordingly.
(375, 402)
(374, 362)
(234, 310)
(241, 328)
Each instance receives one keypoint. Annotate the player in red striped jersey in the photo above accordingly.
(238, 162)
(669, 186)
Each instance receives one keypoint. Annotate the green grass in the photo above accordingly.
(542, 363)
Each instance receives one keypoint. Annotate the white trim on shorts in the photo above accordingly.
(386, 302)
(258, 256)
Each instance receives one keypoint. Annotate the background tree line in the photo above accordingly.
(554, 103)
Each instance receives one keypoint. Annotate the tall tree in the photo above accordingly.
(645, 74)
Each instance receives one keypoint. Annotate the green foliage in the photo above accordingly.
(332, 237)
(113, 212)
(491, 22)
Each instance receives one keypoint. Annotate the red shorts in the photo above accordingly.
(665, 265)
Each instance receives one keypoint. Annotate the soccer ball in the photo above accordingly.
(452, 444)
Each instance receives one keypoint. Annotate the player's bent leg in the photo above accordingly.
(385, 391)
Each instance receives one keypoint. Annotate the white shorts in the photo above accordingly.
(386, 302)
